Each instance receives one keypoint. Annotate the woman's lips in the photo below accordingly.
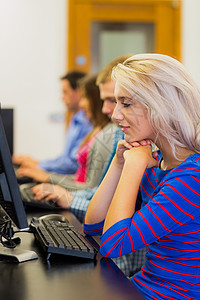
(124, 128)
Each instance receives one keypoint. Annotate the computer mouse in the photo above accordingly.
(55, 217)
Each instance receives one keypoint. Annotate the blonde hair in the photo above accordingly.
(168, 91)
(105, 74)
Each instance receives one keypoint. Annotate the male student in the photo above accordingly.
(78, 127)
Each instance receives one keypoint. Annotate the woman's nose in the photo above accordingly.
(117, 115)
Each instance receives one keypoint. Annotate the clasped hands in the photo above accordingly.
(140, 150)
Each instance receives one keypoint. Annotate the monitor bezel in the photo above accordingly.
(13, 205)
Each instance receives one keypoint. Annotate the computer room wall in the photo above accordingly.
(33, 50)
(32, 59)
(190, 37)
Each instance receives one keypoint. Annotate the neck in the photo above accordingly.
(169, 161)
(74, 111)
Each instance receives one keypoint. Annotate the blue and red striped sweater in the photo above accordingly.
(169, 223)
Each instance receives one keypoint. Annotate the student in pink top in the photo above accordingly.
(91, 104)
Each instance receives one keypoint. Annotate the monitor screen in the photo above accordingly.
(7, 115)
(10, 198)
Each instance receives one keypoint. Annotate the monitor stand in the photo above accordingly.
(9, 250)
(16, 255)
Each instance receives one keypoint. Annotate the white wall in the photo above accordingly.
(32, 59)
(33, 56)
(190, 37)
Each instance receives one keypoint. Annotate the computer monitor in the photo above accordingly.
(10, 197)
(7, 115)
(12, 207)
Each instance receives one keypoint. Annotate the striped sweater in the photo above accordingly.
(169, 223)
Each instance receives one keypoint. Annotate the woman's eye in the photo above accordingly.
(126, 104)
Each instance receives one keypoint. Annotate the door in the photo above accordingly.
(100, 30)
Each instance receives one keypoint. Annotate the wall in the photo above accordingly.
(32, 58)
(190, 38)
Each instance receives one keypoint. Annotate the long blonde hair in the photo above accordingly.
(172, 98)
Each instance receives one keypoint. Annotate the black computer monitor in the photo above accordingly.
(10, 197)
(7, 115)
(12, 213)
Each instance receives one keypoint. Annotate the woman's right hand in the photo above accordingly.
(121, 148)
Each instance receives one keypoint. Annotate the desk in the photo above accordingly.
(63, 277)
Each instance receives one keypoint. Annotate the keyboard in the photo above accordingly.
(24, 179)
(28, 200)
(21, 180)
(57, 235)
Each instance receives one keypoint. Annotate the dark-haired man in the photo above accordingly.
(77, 128)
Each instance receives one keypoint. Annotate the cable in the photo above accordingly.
(7, 233)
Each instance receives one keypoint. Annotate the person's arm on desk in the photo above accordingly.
(33, 172)
(98, 208)
(53, 192)
(116, 185)
(25, 160)
(77, 202)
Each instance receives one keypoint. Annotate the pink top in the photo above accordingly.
(82, 158)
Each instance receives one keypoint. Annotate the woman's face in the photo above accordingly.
(132, 117)
(85, 105)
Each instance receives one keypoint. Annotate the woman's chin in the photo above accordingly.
(129, 139)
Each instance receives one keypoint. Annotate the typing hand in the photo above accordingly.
(24, 160)
(53, 192)
(35, 173)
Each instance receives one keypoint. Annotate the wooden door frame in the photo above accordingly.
(165, 14)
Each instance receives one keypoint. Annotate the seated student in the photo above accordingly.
(78, 127)
(78, 201)
(95, 149)
(157, 100)
(61, 195)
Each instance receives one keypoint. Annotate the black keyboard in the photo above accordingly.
(21, 180)
(24, 179)
(57, 235)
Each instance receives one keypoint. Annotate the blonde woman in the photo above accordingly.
(157, 101)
